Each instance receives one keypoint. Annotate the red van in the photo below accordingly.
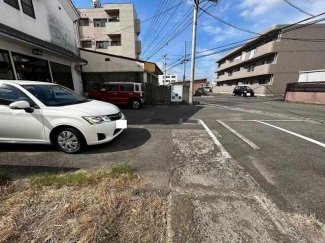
(120, 94)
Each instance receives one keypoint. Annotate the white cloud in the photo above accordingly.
(210, 29)
(253, 8)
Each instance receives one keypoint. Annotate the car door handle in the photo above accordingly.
(130, 93)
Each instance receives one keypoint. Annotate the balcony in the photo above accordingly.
(243, 73)
(261, 51)
(138, 48)
(137, 26)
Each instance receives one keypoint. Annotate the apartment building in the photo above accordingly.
(112, 28)
(38, 42)
(170, 78)
(271, 61)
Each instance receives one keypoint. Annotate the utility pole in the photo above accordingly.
(196, 9)
(185, 61)
(165, 68)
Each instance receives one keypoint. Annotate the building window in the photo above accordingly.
(84, 22)
(113, 15)
(13, 3)
(100, 22)
(6, 71)
(252, 53)
(102, 44)
(62, 75)
(28, 8)
(86, 44)
(251, 68)
(263, 81)
(31, 68)
(115, 40)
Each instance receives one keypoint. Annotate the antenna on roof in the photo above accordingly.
(95, 3)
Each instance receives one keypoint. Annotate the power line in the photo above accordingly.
(151, 23)
(269, 35)
(143, 21)
(178, 33)
(296, 7)
(159, 32)
(231, 46)
(157, 22)
(227, 23)
(186, 17)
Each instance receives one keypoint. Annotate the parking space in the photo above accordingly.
(289, 164)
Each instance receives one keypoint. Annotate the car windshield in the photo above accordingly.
(55, 95)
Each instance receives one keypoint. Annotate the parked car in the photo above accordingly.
(208, 89)
(120, 94)
(46, 113)
(200, 92)
(243, 91)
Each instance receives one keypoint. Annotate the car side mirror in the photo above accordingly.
(21, 105)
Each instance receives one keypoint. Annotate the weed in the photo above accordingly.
(4, 178)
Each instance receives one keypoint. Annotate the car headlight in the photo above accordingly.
(96, 119)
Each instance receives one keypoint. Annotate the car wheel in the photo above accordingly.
(136, 104)
(69, 140)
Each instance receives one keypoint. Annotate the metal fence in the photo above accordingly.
(157, 95)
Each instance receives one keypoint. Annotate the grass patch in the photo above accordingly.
(93, 207)
(82, 178)
(4, 178)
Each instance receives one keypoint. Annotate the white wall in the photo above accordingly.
(52, 23)
(97, 63)
(169, 79)
(313, 76)
(128, 35)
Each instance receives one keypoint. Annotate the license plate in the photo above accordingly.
(248, 94)
(121, 124)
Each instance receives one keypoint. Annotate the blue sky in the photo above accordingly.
(254, 15)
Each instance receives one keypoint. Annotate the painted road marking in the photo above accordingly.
(264, 120)
(294, 134)
(265, 113)
(246, 140)
(223, 151)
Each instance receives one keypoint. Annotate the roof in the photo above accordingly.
(122, 57)
(38, 42)
(25, 82)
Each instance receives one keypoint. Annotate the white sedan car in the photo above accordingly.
(46, 113)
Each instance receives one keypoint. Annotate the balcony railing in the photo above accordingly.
(260, 51)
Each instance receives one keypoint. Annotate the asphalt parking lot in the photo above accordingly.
(146, 145)
(279, 144)
(288, 161)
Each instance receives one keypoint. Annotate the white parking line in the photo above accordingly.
(223, 151)
(264, 120)
(294, 134)
(246, 140)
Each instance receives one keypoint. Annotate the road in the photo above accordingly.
(289, 167)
